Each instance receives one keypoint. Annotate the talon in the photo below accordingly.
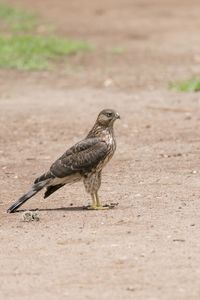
(95, 207)
(112, 205)
(101, 207)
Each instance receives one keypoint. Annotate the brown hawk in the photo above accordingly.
(83, 161)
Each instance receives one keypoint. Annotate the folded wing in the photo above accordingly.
(82, 157)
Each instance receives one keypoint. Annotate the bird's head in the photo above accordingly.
(107, 117)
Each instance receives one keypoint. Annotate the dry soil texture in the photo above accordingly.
(149, 246)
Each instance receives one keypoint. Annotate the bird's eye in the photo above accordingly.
(109, 114)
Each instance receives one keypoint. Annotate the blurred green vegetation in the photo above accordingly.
(190, 85)
(34, 52)
(117, 50)
(22, 48)
(15, 19)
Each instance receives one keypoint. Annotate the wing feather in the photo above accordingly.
(83, 156)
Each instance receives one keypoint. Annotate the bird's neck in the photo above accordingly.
(99, 130)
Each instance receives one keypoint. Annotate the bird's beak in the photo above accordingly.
(117, 116)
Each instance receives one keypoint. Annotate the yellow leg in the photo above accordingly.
(97, 200)
(94, 202)
(96, 205)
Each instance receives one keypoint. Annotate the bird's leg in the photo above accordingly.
(96, 203)
(106, 206)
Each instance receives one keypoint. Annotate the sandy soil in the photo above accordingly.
(148, 247)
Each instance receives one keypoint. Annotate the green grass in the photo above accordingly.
(22, 48)
(35, 52)
(118, 50)
(191, 85)
(16, 19)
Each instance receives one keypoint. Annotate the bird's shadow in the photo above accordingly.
(69, 208)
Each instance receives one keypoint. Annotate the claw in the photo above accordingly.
(95, 207)
(101, 207)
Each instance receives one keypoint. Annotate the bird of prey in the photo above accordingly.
(83, 161)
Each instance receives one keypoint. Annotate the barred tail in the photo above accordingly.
(34, 190)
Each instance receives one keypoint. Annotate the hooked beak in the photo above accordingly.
(117, 116)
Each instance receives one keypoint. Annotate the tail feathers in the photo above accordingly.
(51, 189)
(46, 176)
(34, 190)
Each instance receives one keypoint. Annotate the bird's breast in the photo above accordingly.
(110, 141)
(111, 147)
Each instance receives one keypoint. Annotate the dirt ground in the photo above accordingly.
(148, 247)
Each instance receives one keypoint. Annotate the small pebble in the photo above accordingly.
(130, 288)
(108, 82)
(194, 172)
